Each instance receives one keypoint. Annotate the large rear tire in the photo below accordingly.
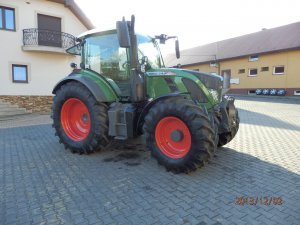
(80, 122)
(179, 135)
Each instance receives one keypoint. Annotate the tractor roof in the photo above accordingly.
(100, 31)
(95, 32)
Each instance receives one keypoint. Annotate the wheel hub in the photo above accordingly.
(85, 118)
(176, 135)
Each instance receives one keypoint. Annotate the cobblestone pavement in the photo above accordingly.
(41, 183)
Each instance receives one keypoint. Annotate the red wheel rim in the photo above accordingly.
(75, 119)
(174, 149)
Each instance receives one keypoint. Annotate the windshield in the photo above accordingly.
(147, 47)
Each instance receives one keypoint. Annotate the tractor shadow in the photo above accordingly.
(131, 152)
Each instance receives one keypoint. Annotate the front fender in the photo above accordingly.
(100, 89)
(149, 105)
(228, 111)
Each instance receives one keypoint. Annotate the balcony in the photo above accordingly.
(47, 41)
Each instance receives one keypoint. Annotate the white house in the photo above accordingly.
(34, 35)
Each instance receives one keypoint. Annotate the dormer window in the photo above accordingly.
(213, 64)
(253, 58)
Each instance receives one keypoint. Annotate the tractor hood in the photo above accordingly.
(202, 87)
(211, 81)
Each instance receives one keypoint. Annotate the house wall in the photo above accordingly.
(203, 67)
(290, 80)
(45, 69)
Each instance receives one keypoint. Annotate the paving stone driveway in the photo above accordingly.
(41, 183)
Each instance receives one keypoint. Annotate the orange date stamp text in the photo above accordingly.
(245, 200)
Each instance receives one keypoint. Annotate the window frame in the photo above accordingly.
(13, 73)
(264, 69)
(274, 68)
(241, 71)
(251, 75)
(213, 64)
(2, 9)
(253, 58)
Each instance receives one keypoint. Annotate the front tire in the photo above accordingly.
(80, 122)
(179, 135)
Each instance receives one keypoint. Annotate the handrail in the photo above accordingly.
(40, 37)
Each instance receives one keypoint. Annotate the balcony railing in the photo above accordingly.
(39, 37)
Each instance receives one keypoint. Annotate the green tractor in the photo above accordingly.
(123, 90)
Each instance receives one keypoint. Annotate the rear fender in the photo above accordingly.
(99, 88)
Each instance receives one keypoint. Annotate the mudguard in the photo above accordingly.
(100, 89)
(227, 111)
(149, 105)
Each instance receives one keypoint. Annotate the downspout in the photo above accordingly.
(216, 58)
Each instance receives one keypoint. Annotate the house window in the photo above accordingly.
(241, 71)
(278, 70)
(264, 69)
(252, 72)
(253, 58)
(19, 73)
(213, 64)
(7, 18)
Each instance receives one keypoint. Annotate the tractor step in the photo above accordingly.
(120, 138)
(120, 117)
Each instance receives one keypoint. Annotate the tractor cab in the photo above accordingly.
(101, 53)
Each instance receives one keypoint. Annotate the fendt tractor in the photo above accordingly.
(123, 90)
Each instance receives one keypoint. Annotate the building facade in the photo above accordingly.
(268, 59)
(34, 35)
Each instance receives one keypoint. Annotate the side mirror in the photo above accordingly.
(177, 49)
(123, 34)
(73, 65)
(78, 40)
